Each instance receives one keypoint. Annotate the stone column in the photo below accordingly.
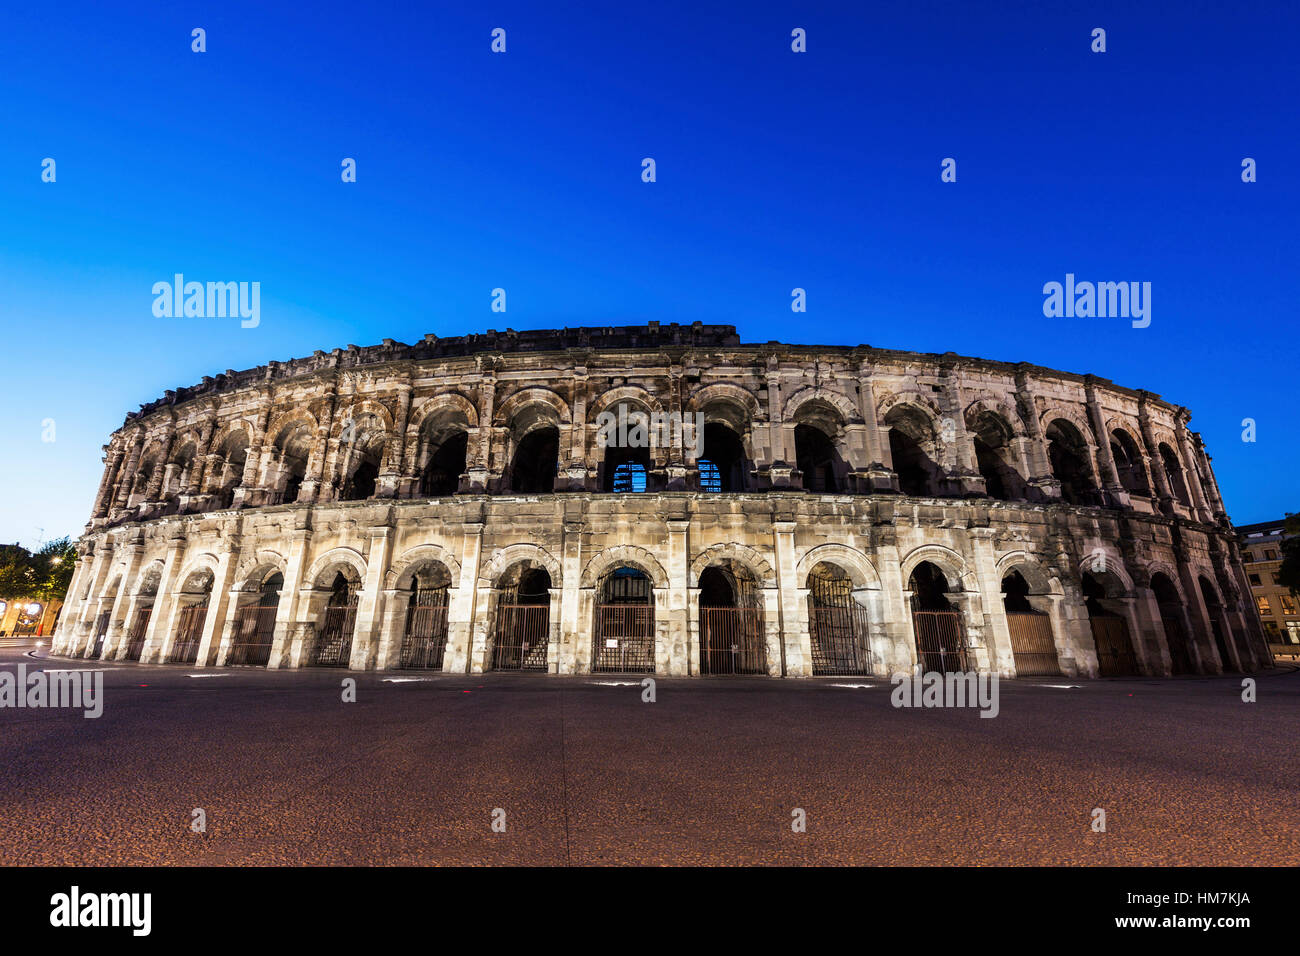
(791, 601)
(1155, 464)
(395, 453)
(119, 622)
(1002, 660)
(217, 622)
(158, 634)
(286, 613)
(310, 490)
(104, 559)
(1039, 476)
(1112, 489)
(478, 469)
(677, 657)
(464, 631)
(365, 637)
(103, 498)
(1193, 475)
(961, 460)
(879, 474)
(572, 631)
(127, 476)
(780, 467)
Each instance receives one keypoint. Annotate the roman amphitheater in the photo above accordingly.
(452, 505)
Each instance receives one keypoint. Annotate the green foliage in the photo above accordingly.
(1288, 575)
(43, 575)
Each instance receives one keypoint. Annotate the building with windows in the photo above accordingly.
(846, 510)
(1279, 609)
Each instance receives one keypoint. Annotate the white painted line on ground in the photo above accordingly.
(207, 675)
(854, 686)
(614, 683)
(404, 680)
(1065, 686)
(75, 670)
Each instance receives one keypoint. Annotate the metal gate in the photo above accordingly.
(1032, 644)
(189, 632)
(425, 640)
(732, 641)
(840, 643)
(625, 639)
(254, 633)
(135, 637)
(334, 641)
(522, 635)
(1115, 656)
(940, 641)
(101, 630)
(1217, 629)
(1180, 656)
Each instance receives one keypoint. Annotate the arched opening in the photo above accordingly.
(1128, 463)
(817, 459)
(139, 626)
(334, 639)
(536, 462)
(1171, 618)
(1214, 608)
(232, 459)
(180, 472)
(940, 631)
(1115, 654)
(995, 458)
(441, 475)
(1174, 472)
(624, 635)
(914, 449)
(732, 639)
(522, 635)
(292, 450)
(1068, 454)
(722, 466)
(624, 469)
(193, 599)
(1032, 644)
(102, 622)
(424, 636)
(838, 626)
(254, 626)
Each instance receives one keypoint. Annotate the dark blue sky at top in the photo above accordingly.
(522, 171)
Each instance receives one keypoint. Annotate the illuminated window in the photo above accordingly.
(710, 477)
(1288, 604)
(629, 477)
(1263, 605)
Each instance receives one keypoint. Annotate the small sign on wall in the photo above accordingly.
(611, 642)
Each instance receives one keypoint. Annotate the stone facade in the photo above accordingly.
(476, 459)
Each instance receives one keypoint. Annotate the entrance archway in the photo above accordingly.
(731, 622)
(1115, 654)
(523, 620)
(940, 631)
(1171, 618)
(334, 641)
(194, 596)
(254, 628)
(1214, 608)
(424, 637)
(838, 625)
(624, 635)
(1032, 643)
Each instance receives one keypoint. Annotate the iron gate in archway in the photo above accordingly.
(732, 641)
(254, 633)
(101, 631)
(623, 640)
(424, 641)
(521, 638)
(189, 632)
(1180, 657)
(135, 637)
(1032, 644)
(1115, 655)
(334, 640)
(940, 641)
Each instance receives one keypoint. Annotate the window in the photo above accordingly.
(1288, 604)
(1293, 632)
(1270, 554)
(710, 477)
(1254, 580)
(629, 477)
(1263, 605)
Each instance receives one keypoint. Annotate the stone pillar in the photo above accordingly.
(126, 477)
(1192, 474)
(791, 603)
(365, 637)
(572, 629)
(1155, 464)
(681, 462)
(119, 622)
(780, 467)
(1215, 499)
(478, 469)
(1039, 476)
(311, 489)
(103, 497)
(1112, 489)
(1002, 660)
(104, 558)
(677, 658)
(395, 453)
(465, 632)
(879, 474)
(961, 459)
(286, 614)
(158, 634)
(217, 622)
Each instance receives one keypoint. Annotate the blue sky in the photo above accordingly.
(522, 171)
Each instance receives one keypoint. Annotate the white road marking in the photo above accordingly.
(613, 683)
(207, 675)
(1065, 686)
(404, 680)
(854, 686)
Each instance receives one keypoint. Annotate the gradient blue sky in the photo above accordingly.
(522, 170)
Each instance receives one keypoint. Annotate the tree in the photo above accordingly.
(1288, 575)
(44, 575)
